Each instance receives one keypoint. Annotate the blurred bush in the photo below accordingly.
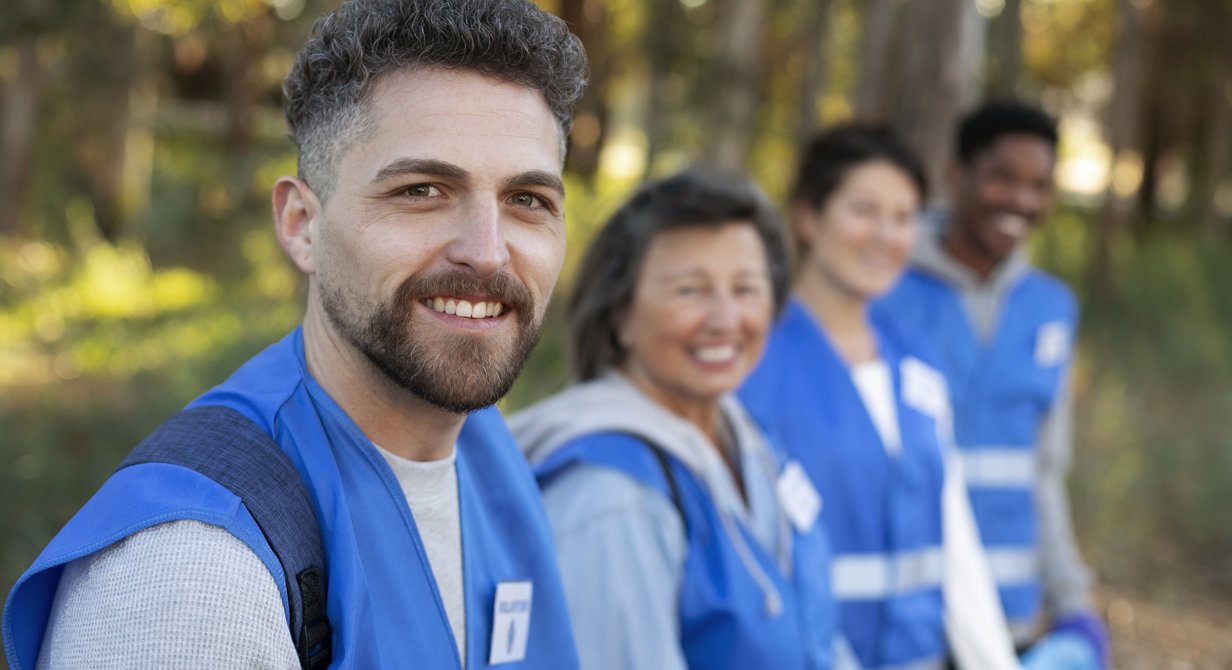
(1152, 466)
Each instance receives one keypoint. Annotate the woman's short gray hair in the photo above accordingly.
(509, 40)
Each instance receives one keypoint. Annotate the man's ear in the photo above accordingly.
(296, 208)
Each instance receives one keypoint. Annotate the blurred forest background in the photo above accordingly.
(138, 266)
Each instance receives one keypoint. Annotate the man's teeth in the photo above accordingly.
(472, 310)
(719, 354)
(1012, 225)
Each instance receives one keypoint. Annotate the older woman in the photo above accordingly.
(862, 407)
(684, 539)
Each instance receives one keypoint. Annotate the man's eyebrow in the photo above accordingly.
(425, 166)
(536, 178)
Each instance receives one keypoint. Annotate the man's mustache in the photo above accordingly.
(498, 287)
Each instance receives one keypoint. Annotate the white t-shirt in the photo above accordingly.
(431, 490)
(876, 387)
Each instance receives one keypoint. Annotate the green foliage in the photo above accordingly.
(98, 345)
(104, 336)
(1152, 469)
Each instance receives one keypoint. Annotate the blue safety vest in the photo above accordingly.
(1001, 389)
(726, 620)
(383, 602)
(882, 512)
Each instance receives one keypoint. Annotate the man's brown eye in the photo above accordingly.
(422, 191)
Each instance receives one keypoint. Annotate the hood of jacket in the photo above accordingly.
(612, 404)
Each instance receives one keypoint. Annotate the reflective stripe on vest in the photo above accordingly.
(882, 511)
(1013, 565)
(877, 576)
(1002, 389)
(926, 664)
(998, 467)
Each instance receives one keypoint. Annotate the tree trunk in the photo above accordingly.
(21, 103)
(1122, 127)
(1004, 59)
(937, 83)
(587, 19)
(240, 94)
(660, 41)
(1220, 147)
(876, 50)
(1152, 145)
(811, 41)
(738, 68)
(105, 166)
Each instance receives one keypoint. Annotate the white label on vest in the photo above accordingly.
(1052, 344)
(799, 499)
(510, 622)
(924, 388)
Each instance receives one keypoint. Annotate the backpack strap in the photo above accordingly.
(672, 486)
(230, 449)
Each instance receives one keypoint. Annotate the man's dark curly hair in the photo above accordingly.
(981, 128)
(514, 41)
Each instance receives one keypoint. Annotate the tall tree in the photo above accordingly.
(20, 113)
(937, 82)
(588, 20)
(1121, 125)
(23, 25)
(876, 55)
(810, 44)
(1219, 150)
(1003, 61)
(664, 50)
(737, 60)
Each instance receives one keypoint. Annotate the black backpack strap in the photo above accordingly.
(672, 486)
(229, 448)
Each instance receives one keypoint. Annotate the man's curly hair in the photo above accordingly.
(514, 41)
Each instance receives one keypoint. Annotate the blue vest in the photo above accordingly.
(883, 513)
(383, 602)
(724, 617)
(1002, 390)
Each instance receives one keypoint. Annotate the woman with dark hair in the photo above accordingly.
(864, 410)
(684, 539)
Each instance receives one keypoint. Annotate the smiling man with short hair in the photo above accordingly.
(1005, 333)
(428, 216)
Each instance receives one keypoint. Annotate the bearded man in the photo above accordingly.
(428, 217)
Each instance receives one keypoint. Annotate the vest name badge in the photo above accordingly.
(924, 388)
(798, 497)
(510, 622)
(1052, 344)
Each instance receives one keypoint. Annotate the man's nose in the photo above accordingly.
(480, 243)
(1028, 200)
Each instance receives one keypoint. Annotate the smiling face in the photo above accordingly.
(1002, 193)
(859, 240)
(699, 316)
(436, 254)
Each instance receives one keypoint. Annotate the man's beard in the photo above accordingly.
(453, 371)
